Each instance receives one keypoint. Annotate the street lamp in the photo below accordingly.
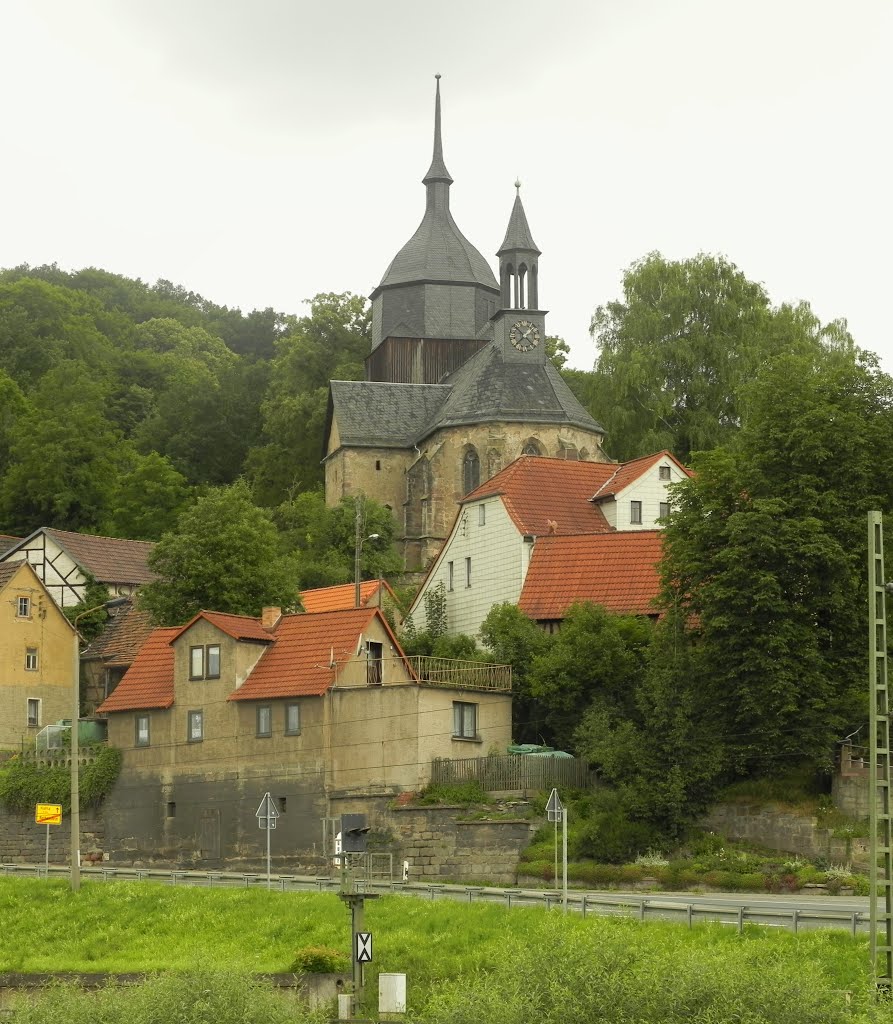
(115, 602)
(359, 541)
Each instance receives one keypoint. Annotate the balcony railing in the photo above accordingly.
(466, 675)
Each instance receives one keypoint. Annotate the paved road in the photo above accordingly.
(787, 911)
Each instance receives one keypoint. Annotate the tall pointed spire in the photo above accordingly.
(517, 236)
(437, 171)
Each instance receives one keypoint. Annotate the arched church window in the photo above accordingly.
(531, 447)
(532, 289)
(471, 471)
(507, 274)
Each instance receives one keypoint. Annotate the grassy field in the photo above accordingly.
(464, 963)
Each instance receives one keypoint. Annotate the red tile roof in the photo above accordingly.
(302, 659)
(626, 472)
(149, 682)
(330, 599)
(300, 662)
(616, 570)
(239, 627)
(537, 491)
(121, 639)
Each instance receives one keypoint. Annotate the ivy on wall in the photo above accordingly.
(24, 782)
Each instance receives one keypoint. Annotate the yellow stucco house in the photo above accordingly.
(36, 657)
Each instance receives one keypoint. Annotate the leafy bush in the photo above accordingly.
(320, 960)
(613, 838)
(461, 793)
(24, 783)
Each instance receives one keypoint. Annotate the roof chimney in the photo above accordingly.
(269, 618)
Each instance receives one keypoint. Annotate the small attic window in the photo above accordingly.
(378, 463)
(663, 473)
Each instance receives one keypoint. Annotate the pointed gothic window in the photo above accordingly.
(471, 470)
(531, 447)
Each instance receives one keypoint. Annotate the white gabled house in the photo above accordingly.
(485, 558)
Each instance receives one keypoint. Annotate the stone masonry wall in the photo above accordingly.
(779, 830)
(22, 841)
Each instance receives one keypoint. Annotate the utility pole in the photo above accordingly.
(881, 842)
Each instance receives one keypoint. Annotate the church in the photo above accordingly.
(458, 383)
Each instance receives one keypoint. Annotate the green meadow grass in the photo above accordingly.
(475, 963)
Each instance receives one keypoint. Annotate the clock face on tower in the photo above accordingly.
(524, 335)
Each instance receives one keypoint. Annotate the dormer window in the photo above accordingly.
(663, 473)
(204, 662)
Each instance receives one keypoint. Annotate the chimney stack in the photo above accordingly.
(269, 618)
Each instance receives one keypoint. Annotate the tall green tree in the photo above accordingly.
(677, 351)
(224, 555)
(766, 554)
(64, 455)
(146, 498)
(514, 639)
(324, 539)
(329, 344)
(596, 656)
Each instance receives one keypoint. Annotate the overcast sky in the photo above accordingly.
(261, 152)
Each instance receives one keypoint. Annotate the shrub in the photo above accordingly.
(462, 793)
(613, 838)
(320, 960)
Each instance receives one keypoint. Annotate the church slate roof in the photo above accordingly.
(517, 234)
(486, 388)
(372, 414)
(438, 252)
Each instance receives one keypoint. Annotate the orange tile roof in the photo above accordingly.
(300, 662)
(149, 682)
(626, 472)
(239, 627)
(537, 491)
(330, 599)
(616, 570)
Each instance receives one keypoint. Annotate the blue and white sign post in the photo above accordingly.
(266, 815)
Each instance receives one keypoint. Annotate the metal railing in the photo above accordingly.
(514, 772)
(468, 675)
(659, 907)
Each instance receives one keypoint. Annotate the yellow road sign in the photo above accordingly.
(48, 814)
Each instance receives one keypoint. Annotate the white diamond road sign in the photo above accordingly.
(364, 947)
(266, 813)
(554, 807)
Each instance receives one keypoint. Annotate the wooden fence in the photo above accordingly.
(514, 772)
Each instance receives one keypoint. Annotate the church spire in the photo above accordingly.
(518, 261)
(517, 236)
(437, 171)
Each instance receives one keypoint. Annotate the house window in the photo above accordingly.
(31, 659)
(635, 512)
(378, 463)
(663, 473)
(664, 509)
(171, 809)
(142, 731)
(282, 803)
(468, 572)
(449, 575)
(33, 712)
(471, 470)
(204, 662)
(292, 719)
(195, 731)
(373, 663)
(24, 608)
(465, 720)
(482, 515)
(264, 720)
